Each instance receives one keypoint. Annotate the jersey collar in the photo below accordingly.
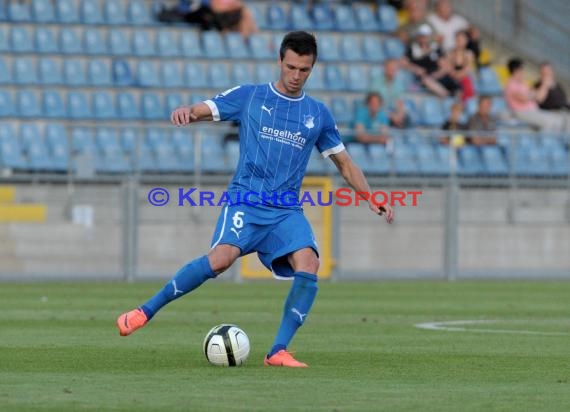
(278, 93)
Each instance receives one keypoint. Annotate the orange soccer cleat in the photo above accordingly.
(284, 358)
(131, 321)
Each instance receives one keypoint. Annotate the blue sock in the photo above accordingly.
(297, 307)
(188, 278)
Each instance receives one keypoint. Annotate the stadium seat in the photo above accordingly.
(167, 43)
(107, 141)
(219, 76)
(19, 11)
(488, 82)
(6, 104)
(316, 165)
(58, 146)
(43, 11)
(46, 40)
(73, 72)
(77, 105)
(119, 43)
(494, 161)
(172, 101)
(265, 72)
(197, 98)
(373, 51)
(358, 78)
(379, 160)
(469, 161)
(129, 138)
(328, 48)
(242, 74)
(260, 45)
(151, 107)
(213, 45)
(69, 42)
(404, 161)
(166, 159)
(532, 162)
(53, 104)
(4, 44)
(91, 12)
(323, 17)
(259, 15)
(334, 77)
(138, 12)
(28, 104)
(82, 141)
(127, 106)
(213, 156)
(394, 48)
(102, 105)
(387, 18)
(428, 163)
(317, 79)
(171, 75)
(35, 148)
(99, 73)
(66, 11)
(190, 44)
(344, 18)
(183, 143)
(359, 154)
(142, 44)
(341, 111)
(236, 46)
(114, 12)
(5, 72)
(122, 75)
(24, 71)
(365, 18)
(11, 153)
(350, 48)
(431, 111)
(21, 40)
(155, 137)
(195, 75)
(93, 41)
(276, 17)
(147, 75)
(300, 19)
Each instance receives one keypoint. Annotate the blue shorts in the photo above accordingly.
(271, 232)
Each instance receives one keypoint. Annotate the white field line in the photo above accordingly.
(455, 326)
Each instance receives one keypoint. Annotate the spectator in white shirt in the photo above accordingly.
(446, 23)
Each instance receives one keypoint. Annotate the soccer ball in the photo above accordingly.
(226, 345)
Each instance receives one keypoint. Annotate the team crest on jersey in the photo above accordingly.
(309, 121)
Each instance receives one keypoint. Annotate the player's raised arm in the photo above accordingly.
(355, 178)
(185, 115)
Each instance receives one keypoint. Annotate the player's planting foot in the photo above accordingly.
(284, 358)
(131, 321)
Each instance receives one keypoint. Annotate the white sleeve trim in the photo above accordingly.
(333, 150)
(213, 109)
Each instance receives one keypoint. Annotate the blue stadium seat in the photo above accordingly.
(317, 79)
(21, 40)
(341, 111)
(102, 105)
(19, 11)
(350, 48)
(28, 104)
(172, 101)
(35, 147)
(213, 45)
(46, 40)
(259, 15)
(359, 154)
(122, 75)
(405, 162)
(152, 109)
(66, 11)
(147, 75)
(300, 19)
(316, 165)
(358, 80)
(82, 141)
(6, 104)
(334, 77)
(323, 17)
(127, 106)
(69, 42)
(24, 71)
(328, 48)
(56, 140)
(494, 161)
(4, 45)
(499, 106)
(265, 72)
(532, 162)
(197, 98)
(276, 17)
(167, 43)
(155, 137)
(232, 154)
(53, 104)
(5, 72)
(107, 141)
(129, 139)
(114, 12)
(142, 44)
(432, 113)
(236, 46)
(260, 45)
(213, 155)
(77, 105)
(119, 43)
(470, 162)
(344, 18)
(428, 162)
(387, 18)
(365, 18)
(138, 12)
(183, 143)
(488, 82)
(11, 152)
(190, 44)
(373, 51)
(195, 75)
(242, 74)
(379, 159)
(94, 42)
(166, 159)
(219, 76)
(91, 12)
(171, 75)
(74, 73)
(394, 48)
(99, 72)
(29, 132)
(558, 159)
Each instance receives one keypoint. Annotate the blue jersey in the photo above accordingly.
(277, 136)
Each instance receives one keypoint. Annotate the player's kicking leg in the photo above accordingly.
(188, 278)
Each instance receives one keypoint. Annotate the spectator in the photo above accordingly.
(549, 93)
(462, 61)
(426, 60)
(416, 17)
(482, 121)
(371, 121)
(454, 123)
(521, 100)
(391, 87)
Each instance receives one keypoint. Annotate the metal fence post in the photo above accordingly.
(451, 219)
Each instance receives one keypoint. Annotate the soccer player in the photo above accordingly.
(278, 127)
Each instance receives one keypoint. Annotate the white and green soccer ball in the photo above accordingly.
(226, 345)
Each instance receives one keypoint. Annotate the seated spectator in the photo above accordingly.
(521, 100)
(426, 60)
(391, 87)
(462, 61)
(371, 121)
(549, 93)
(482, 121)
(454, 123)
(416, 11)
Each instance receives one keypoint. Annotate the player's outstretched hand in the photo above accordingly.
(183, 116)
(384, 210)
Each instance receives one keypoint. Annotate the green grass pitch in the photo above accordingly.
(60, 350)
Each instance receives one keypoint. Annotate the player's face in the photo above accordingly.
(295, 71)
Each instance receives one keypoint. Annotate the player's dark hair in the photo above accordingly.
(514, 65)
(301, 42)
